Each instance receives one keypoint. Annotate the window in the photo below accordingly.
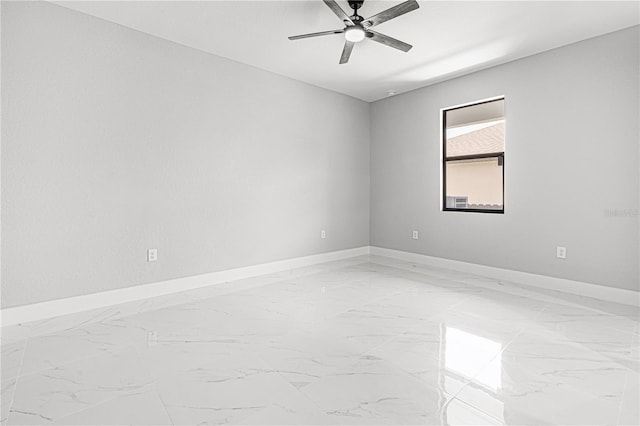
(473, 157)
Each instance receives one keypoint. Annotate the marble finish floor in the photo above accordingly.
(368, 340)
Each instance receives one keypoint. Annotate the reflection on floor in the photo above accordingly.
(367, 340)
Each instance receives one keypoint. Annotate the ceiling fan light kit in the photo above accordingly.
(357, 28)
(354, 33)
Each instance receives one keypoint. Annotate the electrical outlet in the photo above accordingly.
(561, 252)
(415, 235)
(152, 255)
(323, 234)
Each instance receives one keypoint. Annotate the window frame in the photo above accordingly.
(498, 155)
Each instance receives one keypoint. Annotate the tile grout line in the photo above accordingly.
(626, 381)
(15, 387)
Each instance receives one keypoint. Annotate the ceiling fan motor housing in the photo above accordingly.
(355, 4)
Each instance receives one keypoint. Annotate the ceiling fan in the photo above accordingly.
(357, 28)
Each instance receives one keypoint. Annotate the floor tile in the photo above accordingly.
(52, 394)
(368, 340)
(230, 390)
(536, 380)
(61, 348)
(373, 391)
(143, 408)
(456, 412)
(309, 354)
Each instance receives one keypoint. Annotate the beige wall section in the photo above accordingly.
(571, 166)
(481, 181)
(114, 141)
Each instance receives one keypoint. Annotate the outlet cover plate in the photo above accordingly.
(152, 255)
(561, 252)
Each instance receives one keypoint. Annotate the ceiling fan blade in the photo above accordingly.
(391, 13)
(338, 11)
(346, 52)
(298, 37)
(388, 41)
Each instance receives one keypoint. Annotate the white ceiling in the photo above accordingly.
(450, 38)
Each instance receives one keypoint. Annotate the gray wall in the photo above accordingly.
(114, 142)
(571, 166)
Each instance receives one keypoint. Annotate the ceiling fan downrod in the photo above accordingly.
(355, 5)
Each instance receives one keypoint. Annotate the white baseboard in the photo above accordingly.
(53, 308)
(610, 294)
